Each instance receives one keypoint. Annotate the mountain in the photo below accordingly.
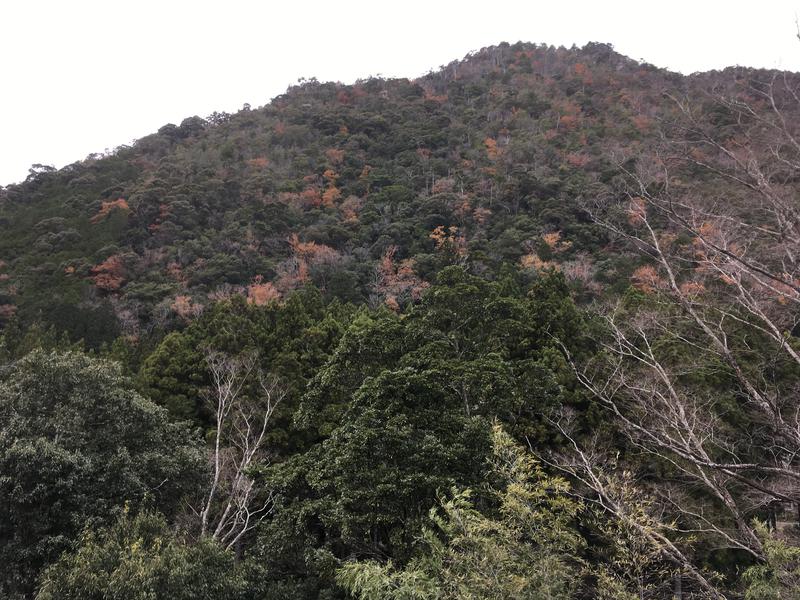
(366, 190)
(524, 327)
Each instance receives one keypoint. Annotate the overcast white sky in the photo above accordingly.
(81, 76)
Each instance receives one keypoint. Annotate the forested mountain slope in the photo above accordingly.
(524, 327)
(365, 190)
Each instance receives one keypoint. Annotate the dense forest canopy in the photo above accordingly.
(524, 327)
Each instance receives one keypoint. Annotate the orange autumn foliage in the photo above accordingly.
(439, 99)
(637, 211)
(555, 243)
(481, 215)
(492, 151)
(647, 279)
(462, 207)
(449, 238)
(396, 280)
(312, 252)
(330, 196)
(534, 262)
(443, 185)
(334, 155)
(392, 303)
(185, 308)
(109, 275)
(552, 239)
(175, 272)
(107, 207)
(350, 209)
(582, 71)
(294, 271)
(311, 197)
(710, 232)
(568, 121)
(291, 274)
(260, 293)
(692, 288)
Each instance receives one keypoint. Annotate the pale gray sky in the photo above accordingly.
(80, 76)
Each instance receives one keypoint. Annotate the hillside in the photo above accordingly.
(527, 326)
(366, 190)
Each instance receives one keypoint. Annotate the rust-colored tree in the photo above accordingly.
(395, 282)
(107, 206)
(261, 293)
(109, 275)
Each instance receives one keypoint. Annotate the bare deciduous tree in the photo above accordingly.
(234, 504)
(716, 211)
